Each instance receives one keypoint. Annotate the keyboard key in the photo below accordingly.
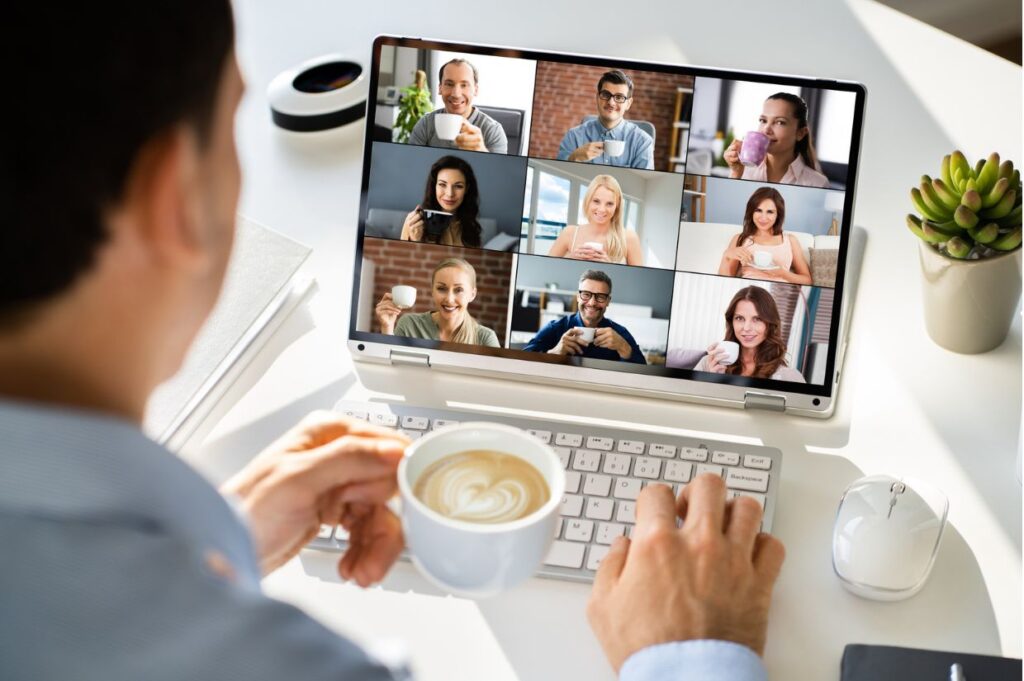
(325, 532)
(599, 509)
(569, 440)
(579, 530)
(564, 453)
(586, 460)
(747, 480)
(725, 458)
(627, 488)
(597, 485)
(572, 482)
(572, 505)
(709, 468)
(558, 527)
(595, 555)
(386, 420)
(542, 435)
(341, 534)
(607, 532)
(412, 434)
(441, 423)
(602, 443)
(693, 454)
(415, 422)
(759, 498)
(678, 471)
(617, 464)
(664, 451)
(565, 554)
(631, 447)
(646, 467)
(355, 414)
(626, 512)
(763, 463)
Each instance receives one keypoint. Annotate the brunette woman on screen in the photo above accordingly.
(762, 231)
(603, 237)
(791, 158)
(451, 188)
(752, 320)
(453, 288)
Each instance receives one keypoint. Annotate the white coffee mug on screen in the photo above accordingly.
(403, 296)
(730, 350)
(447, 125)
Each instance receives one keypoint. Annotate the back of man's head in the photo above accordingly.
(93, 83)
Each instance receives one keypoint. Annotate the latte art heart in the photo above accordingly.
(482, 486)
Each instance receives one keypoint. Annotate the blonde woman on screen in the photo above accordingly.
(603, 238)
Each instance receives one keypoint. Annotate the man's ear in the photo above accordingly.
(163, 196)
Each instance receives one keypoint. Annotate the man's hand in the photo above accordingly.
(588, 152)
(712, 579)
(470, 138)
(326, 470)
(569, 344)
(606, 337)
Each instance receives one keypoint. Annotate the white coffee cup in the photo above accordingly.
(613, 148)
(596, 245)
(403, 296)
(478, 559)
(730, 350)
(585, 333)
(763, 258)
(448, 125)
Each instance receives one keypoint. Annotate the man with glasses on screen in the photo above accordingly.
(587, 142)
(568, 335)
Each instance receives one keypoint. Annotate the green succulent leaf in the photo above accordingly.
(1008, 241)
(958, 248)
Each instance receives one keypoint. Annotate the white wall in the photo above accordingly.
(660, 226)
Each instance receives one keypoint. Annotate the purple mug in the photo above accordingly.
(754, 149)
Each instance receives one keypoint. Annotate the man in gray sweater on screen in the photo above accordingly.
(117, 560)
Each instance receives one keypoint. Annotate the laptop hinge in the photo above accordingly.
(403, 358)
(762, 401)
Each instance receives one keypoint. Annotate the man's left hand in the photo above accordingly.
(606, 337)
(326, 470)
(470, 138)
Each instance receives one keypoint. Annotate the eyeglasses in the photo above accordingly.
(605, 96)
(585, 296)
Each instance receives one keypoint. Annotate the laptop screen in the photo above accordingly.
(679, 222)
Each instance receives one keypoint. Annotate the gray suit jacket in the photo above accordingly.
(104, 540)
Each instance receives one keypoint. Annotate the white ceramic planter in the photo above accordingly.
(969, 304)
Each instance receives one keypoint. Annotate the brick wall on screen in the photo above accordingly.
(403, 262)
(565, 93)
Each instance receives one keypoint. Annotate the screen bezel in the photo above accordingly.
(660, 380)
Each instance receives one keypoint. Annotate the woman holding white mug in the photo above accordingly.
(783, 258)
(453, 288)
(603, 238)
(752, 321)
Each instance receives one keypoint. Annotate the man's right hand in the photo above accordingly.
(711, 579)
(588, 152)
(569, 344)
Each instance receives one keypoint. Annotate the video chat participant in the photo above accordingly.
(585, 142)
(104, 293)
(453, 288)
(762, 231)
(451, 187)
(458, 86)
(611, 341)
(603, 237)
(791, 158)
(752, 320)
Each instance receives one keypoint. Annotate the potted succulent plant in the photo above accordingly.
(970, 231)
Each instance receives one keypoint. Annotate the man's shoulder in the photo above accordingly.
(637, 132)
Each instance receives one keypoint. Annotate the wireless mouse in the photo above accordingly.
(886, 536)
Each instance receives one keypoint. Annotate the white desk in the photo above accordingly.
(905, 405)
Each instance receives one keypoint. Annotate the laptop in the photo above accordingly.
(668, 231)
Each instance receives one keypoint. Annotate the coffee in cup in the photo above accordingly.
(434, 223)
(763, 258)
(497, 532)
(728, 352)
(754, 148)
(585, 333)
(447, 125)
(613, 148)
(403, 296)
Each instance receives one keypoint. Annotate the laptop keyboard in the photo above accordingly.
(605, 469)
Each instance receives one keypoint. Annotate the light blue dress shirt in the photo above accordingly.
(639, 151)
(694, 661)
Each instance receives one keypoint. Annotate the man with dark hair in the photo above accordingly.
(570, 335)
(458, 85)
(119, 561)
(610, 138)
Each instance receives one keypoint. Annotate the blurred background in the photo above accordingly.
(994, 25)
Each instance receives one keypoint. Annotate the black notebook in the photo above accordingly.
(889, 663)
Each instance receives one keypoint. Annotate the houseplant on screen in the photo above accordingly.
(414, 104)
(969, 226)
